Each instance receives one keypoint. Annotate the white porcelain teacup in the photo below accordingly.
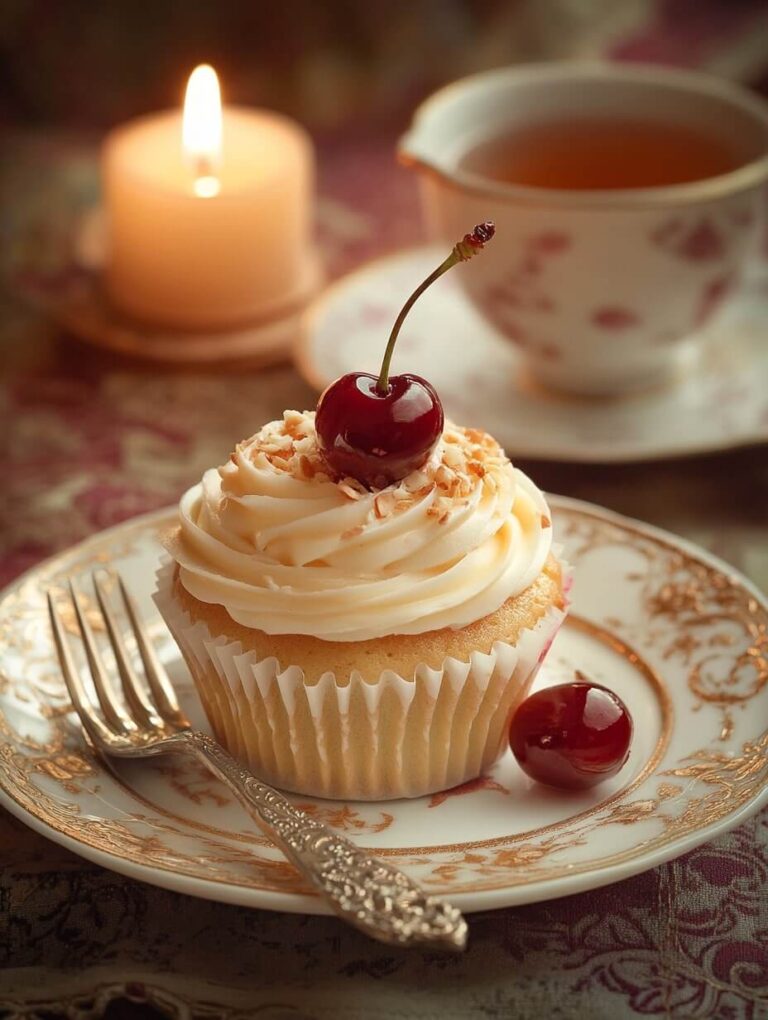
(603, 291)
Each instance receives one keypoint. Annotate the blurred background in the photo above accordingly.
(349, 70)
(336, 63)
(91, 439)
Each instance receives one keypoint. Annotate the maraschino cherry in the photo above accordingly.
(379, 429)
(571, 736)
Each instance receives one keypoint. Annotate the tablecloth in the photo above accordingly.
(89, 440)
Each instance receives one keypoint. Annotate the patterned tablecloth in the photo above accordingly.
(91, 440)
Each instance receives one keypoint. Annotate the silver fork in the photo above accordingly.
(368, 893)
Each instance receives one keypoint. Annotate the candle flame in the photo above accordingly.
(201, 129)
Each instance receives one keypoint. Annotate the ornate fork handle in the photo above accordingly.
(364, 891)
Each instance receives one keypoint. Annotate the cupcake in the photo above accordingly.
(363, 595)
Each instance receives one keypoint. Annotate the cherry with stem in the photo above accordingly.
(378, 429)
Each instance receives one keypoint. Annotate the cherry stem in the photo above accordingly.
(469, 246)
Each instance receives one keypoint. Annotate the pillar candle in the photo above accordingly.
(208, 239)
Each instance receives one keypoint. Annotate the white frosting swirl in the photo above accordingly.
(284, 549)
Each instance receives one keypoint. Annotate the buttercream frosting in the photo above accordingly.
(286, 549)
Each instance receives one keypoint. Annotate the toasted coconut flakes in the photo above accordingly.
(444, 476)
(452, 456)
(416, 481)
(384, 504)
(353, 532)
(465, 458)
(305, 445)
(348, 491)
(440, 508)
(306, 467)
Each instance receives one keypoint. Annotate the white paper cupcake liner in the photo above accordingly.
(350, 739)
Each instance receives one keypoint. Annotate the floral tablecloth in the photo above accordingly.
(89, 440)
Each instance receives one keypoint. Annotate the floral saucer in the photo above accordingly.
(719, 402)
(677, 634)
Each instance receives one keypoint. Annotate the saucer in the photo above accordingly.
(719, 402)
(75, 299)
(675, 632)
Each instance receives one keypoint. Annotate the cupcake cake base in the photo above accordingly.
(423, 713)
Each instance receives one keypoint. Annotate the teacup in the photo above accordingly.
(604, 291)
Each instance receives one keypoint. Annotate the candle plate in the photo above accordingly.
(76, 301)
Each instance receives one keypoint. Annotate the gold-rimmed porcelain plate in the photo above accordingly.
(679, 635)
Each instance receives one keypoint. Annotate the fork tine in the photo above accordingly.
(143, 712)
(95, 728)
(113, 711)
(160, 685)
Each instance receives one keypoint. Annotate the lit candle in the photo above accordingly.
(209, 213)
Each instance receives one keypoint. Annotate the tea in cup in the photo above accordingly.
(627, 200)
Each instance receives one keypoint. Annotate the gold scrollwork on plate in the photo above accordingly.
(345, 818)
(695, 613)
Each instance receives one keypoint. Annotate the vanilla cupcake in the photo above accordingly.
(355, 644)
(363, 596)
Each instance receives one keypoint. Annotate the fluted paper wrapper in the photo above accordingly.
(344, 738)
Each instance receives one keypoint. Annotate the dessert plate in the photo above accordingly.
(721, 400)
(676, 633)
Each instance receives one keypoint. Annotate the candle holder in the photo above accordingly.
(77, 301)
